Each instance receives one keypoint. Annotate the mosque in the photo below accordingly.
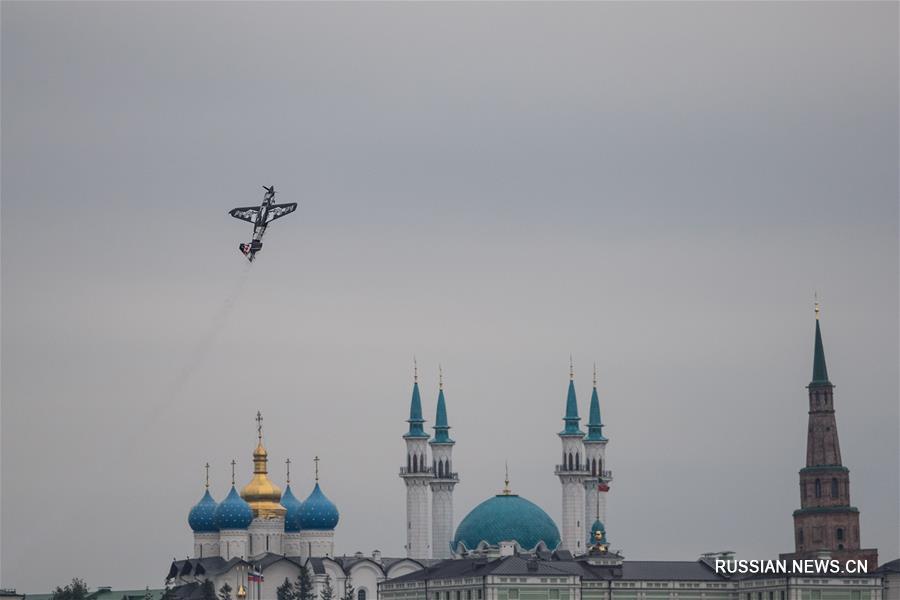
(507, 547)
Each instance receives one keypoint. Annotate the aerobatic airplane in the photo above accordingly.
(261, 216)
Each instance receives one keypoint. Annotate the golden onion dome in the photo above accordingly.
(263, 496)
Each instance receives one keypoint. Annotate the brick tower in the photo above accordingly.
(825, 522)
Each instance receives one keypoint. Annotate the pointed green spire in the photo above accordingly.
(595, 425)
(441, 427)
(415, 410)
(820, 371)
(571, 419)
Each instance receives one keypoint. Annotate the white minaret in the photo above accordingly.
(417, 476)
(572, 473)
(445, 479)
(596, 486)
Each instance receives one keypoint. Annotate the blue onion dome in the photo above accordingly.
(292, 506)
(598, 533)
(202, 517)
(318, 512)
(506, 518)
(233, 512)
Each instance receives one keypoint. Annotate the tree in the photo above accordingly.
(208, 590)
(77, 590)
(303, 589)
(349, 590)
(285, 591)
(225, 592)
(327, 592)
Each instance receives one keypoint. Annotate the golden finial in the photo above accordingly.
(241, 591)
(571, 368)
(506, 490)
(415, 370)
(440, 377)
(259, 420)
(316, 460)
(595, 375)
(287, 461)
(233, 462)
(207, 475)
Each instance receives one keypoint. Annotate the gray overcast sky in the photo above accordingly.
(655, 187)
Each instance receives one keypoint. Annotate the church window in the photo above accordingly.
(818, 488)
(834, 487)
(799, 537)
(840, 534)
(361, 595)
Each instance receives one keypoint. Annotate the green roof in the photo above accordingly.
(820, 371)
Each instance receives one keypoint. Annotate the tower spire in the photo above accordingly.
(506, 490)
(571, 419)
(415, 408)
(595, 425)
(820, 371)
(287, 462)
(316, 461)
(207, 475)
(233, 462)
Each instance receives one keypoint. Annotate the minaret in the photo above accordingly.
(416, 475)
(445, 479)
(596, 486)
(572, 473)
(826, 521)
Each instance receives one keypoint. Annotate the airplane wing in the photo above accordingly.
(279, 210)
(248, 213)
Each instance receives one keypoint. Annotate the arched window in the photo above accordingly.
(577, 461)
(415, 468)
(834, 487)
(361, 595)
(408, 462)
(840, 534)
(818, 488)
(571, 462)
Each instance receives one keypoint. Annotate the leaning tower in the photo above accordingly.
(417, 476)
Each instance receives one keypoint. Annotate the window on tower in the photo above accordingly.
(818, 488)
(840, 534)
(834, 487)
(361, 595)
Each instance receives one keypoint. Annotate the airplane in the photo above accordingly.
(261, 216)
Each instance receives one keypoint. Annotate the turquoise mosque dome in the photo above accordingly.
(202, 517)
(507, 517)
(233, 512)
(597, 527)
(293, 507)
(318, 512)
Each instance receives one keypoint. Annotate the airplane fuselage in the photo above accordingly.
(260, 217)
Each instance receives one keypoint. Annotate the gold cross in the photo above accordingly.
(233, 462)
(288, 463)
(316, 460)
(207, 475)
(259, 425)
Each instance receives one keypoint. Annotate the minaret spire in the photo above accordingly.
(416, 475)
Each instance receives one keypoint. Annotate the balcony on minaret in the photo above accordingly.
(409, 472)
(571, 470)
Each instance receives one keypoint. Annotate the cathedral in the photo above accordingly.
(507, 547)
